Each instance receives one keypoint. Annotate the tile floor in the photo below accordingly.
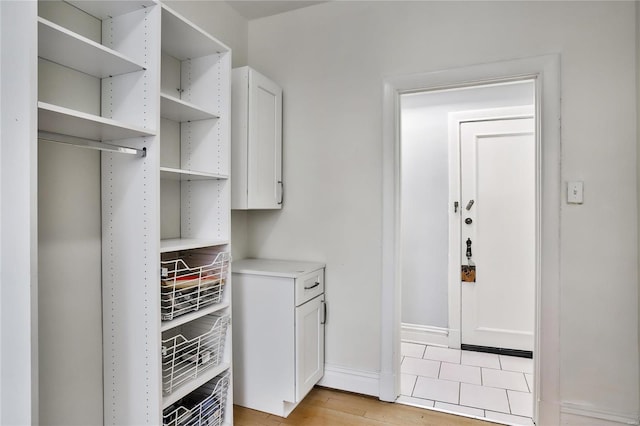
(495, 387)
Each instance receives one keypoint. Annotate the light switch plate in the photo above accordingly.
(575, 192)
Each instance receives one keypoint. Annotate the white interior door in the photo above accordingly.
(497, 177)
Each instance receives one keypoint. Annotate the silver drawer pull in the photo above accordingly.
(313, 286)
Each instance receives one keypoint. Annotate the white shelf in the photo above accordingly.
(189, 387)
(177, 244)
(110, 8)
(178, 110)
(184, 40)
(58, 44)
(187, 175)
(183, 319)
(65, 121)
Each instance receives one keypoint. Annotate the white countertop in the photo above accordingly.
(274, 268)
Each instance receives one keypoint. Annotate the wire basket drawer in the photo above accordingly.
(204, 407)
(186, 289)
(198, 347)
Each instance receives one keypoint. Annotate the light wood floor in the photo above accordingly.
(330, 407)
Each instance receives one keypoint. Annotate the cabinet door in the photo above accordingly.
(265, 143)
(309, 345)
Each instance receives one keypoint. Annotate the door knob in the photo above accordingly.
(468, 221)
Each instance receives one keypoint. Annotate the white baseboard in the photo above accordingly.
(363, 382)
(581, 414)
(425, 335)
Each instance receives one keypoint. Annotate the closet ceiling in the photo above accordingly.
(260, 9)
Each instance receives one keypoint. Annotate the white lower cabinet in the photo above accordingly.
(279, 315)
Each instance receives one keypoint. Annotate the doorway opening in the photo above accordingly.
(544, 72)
(467, 238)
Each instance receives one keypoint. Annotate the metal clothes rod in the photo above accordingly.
(90, 143)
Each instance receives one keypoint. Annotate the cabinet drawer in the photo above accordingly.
(309, 286)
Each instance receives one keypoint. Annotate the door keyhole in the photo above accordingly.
(468, 221)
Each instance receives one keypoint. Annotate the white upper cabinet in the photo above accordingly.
(256, 149)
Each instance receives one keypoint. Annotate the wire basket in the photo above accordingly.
(203, 407)
(198, 347)
(186, 289)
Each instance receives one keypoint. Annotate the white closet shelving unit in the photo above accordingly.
(195, 95)
(195, 99)
(135, 77)
(98, 73)
(115, 66)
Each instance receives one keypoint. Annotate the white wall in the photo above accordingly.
(425, 192)
(331, 60)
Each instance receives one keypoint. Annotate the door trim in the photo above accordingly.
(546, 71)
(455, 259)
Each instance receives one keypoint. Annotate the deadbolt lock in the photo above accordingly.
(468, 221)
